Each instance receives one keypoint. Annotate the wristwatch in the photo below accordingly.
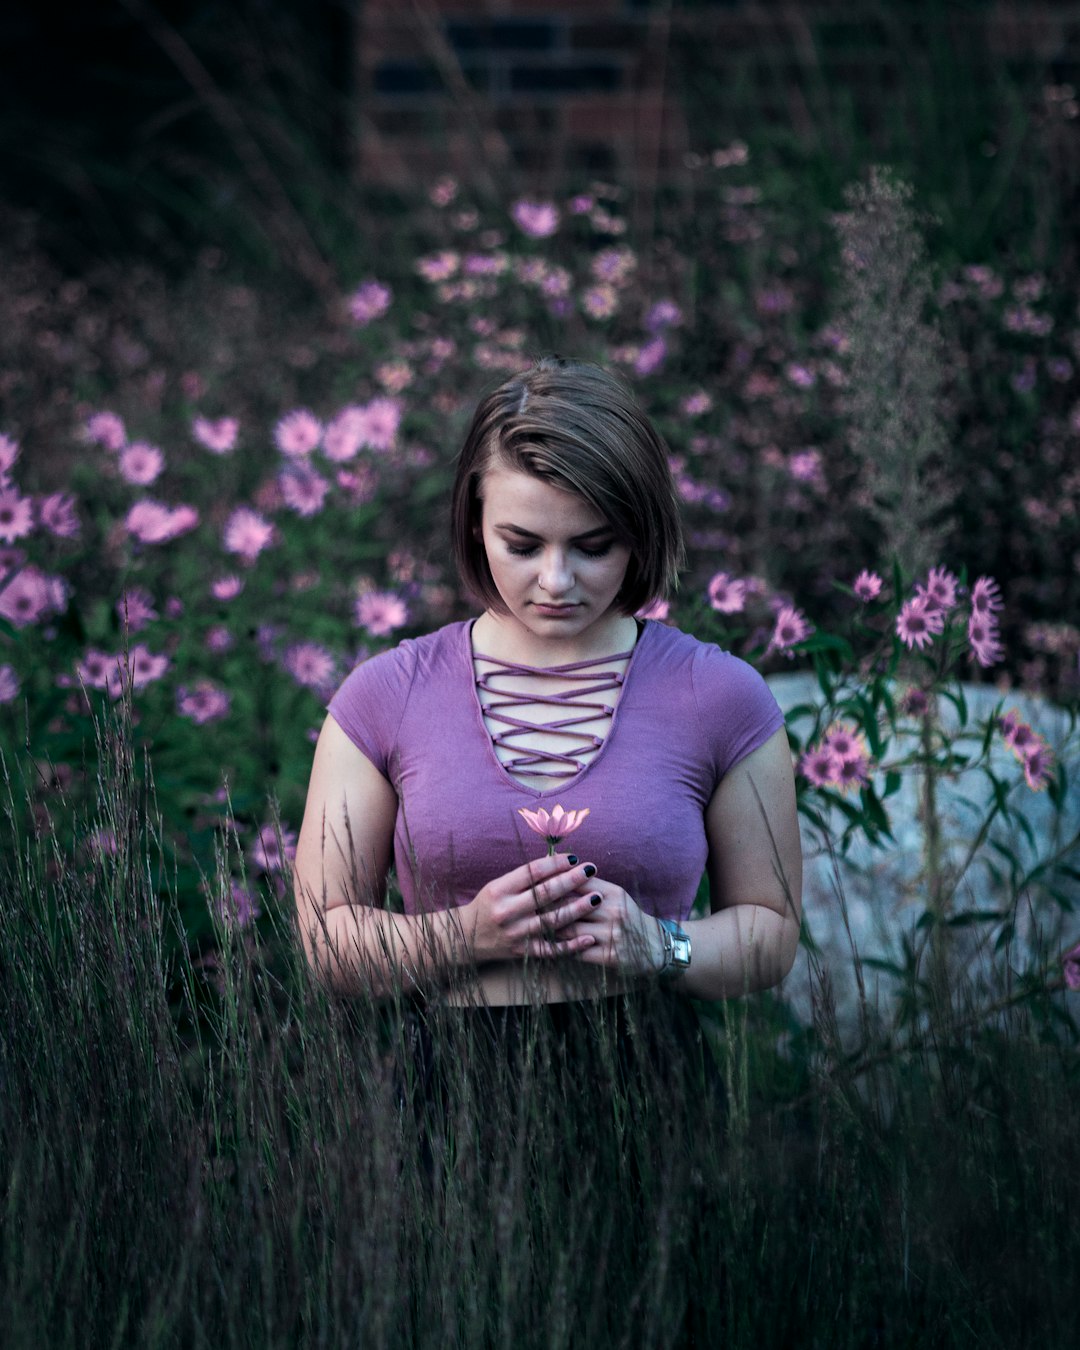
(676, 948)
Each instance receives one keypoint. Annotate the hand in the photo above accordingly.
(626, 939)
(526, 912)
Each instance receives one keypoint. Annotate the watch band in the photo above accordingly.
(676, 948)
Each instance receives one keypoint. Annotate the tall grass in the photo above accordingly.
(229, 1155)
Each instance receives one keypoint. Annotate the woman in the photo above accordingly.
(565, 525)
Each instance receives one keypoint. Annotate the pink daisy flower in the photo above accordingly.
(939, 590)
(9, 684)
(369, 301)
(270, 855)
(241, 908)
(152, 523)
(303, 490)
(536, 219)
(664, 314)
(985, 596)
(27, 596)
(93, 670)
(394, 376)
(146, 666)
(219, 639)
(600, 302)
(16, 515)
(805, 467)
(141, 463)
(916, 625)
(439, 266)
(651, 357)
(443, 192)
(557, 283)
(867, 585)
(1038, 764)
(9, 453)
(614, 265)
(227, 587)
(298, 433)
(915, 702)
(57, 514)
(107, 429)
(135, 609)
(820, 766)
(791, 626)
(219, 437)
(359, 486)
(659, 610)
(202, 702)
(344, 435)
(984, 640)
(1017, 735)
(380, 612)
(727, 594)
(382, 418)
(310, 665)
(247, 533)
(693, 405)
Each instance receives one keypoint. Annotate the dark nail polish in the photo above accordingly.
(589, 870)
(571, 858)
(594, 900)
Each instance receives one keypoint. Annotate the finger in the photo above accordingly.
(540, 947)
(551, 920)
(551, 893)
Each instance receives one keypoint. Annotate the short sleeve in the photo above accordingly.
(370, 703)
(737, 709)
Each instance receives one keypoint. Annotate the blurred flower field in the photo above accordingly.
(217, 507)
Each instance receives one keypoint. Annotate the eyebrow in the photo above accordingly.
(528, 534)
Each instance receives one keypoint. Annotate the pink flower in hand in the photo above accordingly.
(554, 825)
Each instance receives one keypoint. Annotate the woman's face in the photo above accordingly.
(556, 563)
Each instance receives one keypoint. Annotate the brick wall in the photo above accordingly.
(545, 93)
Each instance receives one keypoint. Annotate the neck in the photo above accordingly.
(498, 636)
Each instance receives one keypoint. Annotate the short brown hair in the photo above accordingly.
(579, 428)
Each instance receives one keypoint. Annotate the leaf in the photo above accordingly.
(893, 782)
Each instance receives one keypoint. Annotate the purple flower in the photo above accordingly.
(302, 489)
(726, 594)
(141, 463)
(369, 301)
(203, 702)
(218, 437)
(57, 513)
(27, 596)
(791, 626)
(107, 429)
(247, 533)
(917, 625)
(310, 665)
(135, 609)
(16, 515)
(298, 433)
(152, 523)
(9, 684)
(867, 585)
(9, 453)
(664, 314)
(536, 219)
(269, 854)
(380, 612)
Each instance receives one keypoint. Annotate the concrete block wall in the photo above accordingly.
(547, 93)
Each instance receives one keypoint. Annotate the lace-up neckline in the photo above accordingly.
(574, 689)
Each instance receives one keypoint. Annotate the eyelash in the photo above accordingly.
(588, 552)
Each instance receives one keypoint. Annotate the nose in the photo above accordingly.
(556, 578)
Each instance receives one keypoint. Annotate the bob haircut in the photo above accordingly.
(579, 428)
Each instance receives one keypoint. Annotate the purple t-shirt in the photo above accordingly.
(688, 711)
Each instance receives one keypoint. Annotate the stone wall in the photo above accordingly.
(546, 93)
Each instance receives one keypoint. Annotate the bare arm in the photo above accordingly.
(342, 859)
(749, 940)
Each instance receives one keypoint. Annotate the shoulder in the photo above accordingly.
(736, 710)
(370, 702)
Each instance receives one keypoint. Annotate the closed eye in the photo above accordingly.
(585, 552)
